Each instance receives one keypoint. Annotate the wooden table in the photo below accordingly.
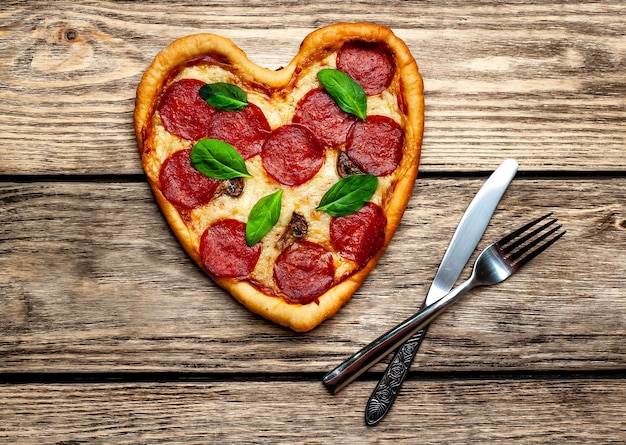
(109, 333)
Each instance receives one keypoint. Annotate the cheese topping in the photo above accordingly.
(301, 199)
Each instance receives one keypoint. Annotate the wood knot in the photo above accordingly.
(70, 35)
(621, 224)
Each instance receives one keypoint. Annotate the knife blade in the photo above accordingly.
(470, 230)
(464, 241)
(494, 188)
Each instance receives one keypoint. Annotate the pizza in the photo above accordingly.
(285, 186)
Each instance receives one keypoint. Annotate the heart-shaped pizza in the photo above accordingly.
(284, 186)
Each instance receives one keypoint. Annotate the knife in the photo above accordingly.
(464, 241)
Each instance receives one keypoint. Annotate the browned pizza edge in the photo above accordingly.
(298, 317)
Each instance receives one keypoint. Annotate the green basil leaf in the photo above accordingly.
(348, 195)
(263, 216)
(346, 92)
(224, 96)
(217, 159)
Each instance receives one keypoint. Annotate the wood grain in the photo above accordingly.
(552, 411)
(109, 333)
(93, 279)
(539, 82)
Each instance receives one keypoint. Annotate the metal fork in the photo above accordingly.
(495, 264)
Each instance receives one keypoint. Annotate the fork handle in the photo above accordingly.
(384, 395)
(371, 354)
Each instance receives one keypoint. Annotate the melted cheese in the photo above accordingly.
(302, 199)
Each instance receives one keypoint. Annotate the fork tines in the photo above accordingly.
(520, 251)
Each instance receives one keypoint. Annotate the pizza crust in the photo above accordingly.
(315, 46)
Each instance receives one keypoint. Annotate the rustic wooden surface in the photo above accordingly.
(110, 334)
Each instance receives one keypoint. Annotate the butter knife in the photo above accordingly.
(464, 241)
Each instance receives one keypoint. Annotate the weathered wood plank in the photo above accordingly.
(93, 284)
(91, 278)
(432, 411)
(539, 82)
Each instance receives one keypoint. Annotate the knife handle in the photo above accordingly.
(371, 354)
(387, 389)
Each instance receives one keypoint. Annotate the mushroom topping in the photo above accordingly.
(345, 166)
(231, 187)
(296, 229)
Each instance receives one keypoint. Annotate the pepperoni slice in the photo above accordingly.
(359, 236)
(304, 271)
(321, 114)
(376, 145)
(292, 155)
(224, 252)
(183, 112)
(182, 184)
(371, 64)
(246, 129)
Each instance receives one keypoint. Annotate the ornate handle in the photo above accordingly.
(371, 354)
(387, 389)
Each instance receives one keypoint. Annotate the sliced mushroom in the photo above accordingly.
(345, 166)
(296, 229)
(230, 187)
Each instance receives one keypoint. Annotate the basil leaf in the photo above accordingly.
(224, 96)
(263, 216)
(346, 92)
(348, 195)
(219, 160)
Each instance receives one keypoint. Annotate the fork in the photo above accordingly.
(495, 264)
